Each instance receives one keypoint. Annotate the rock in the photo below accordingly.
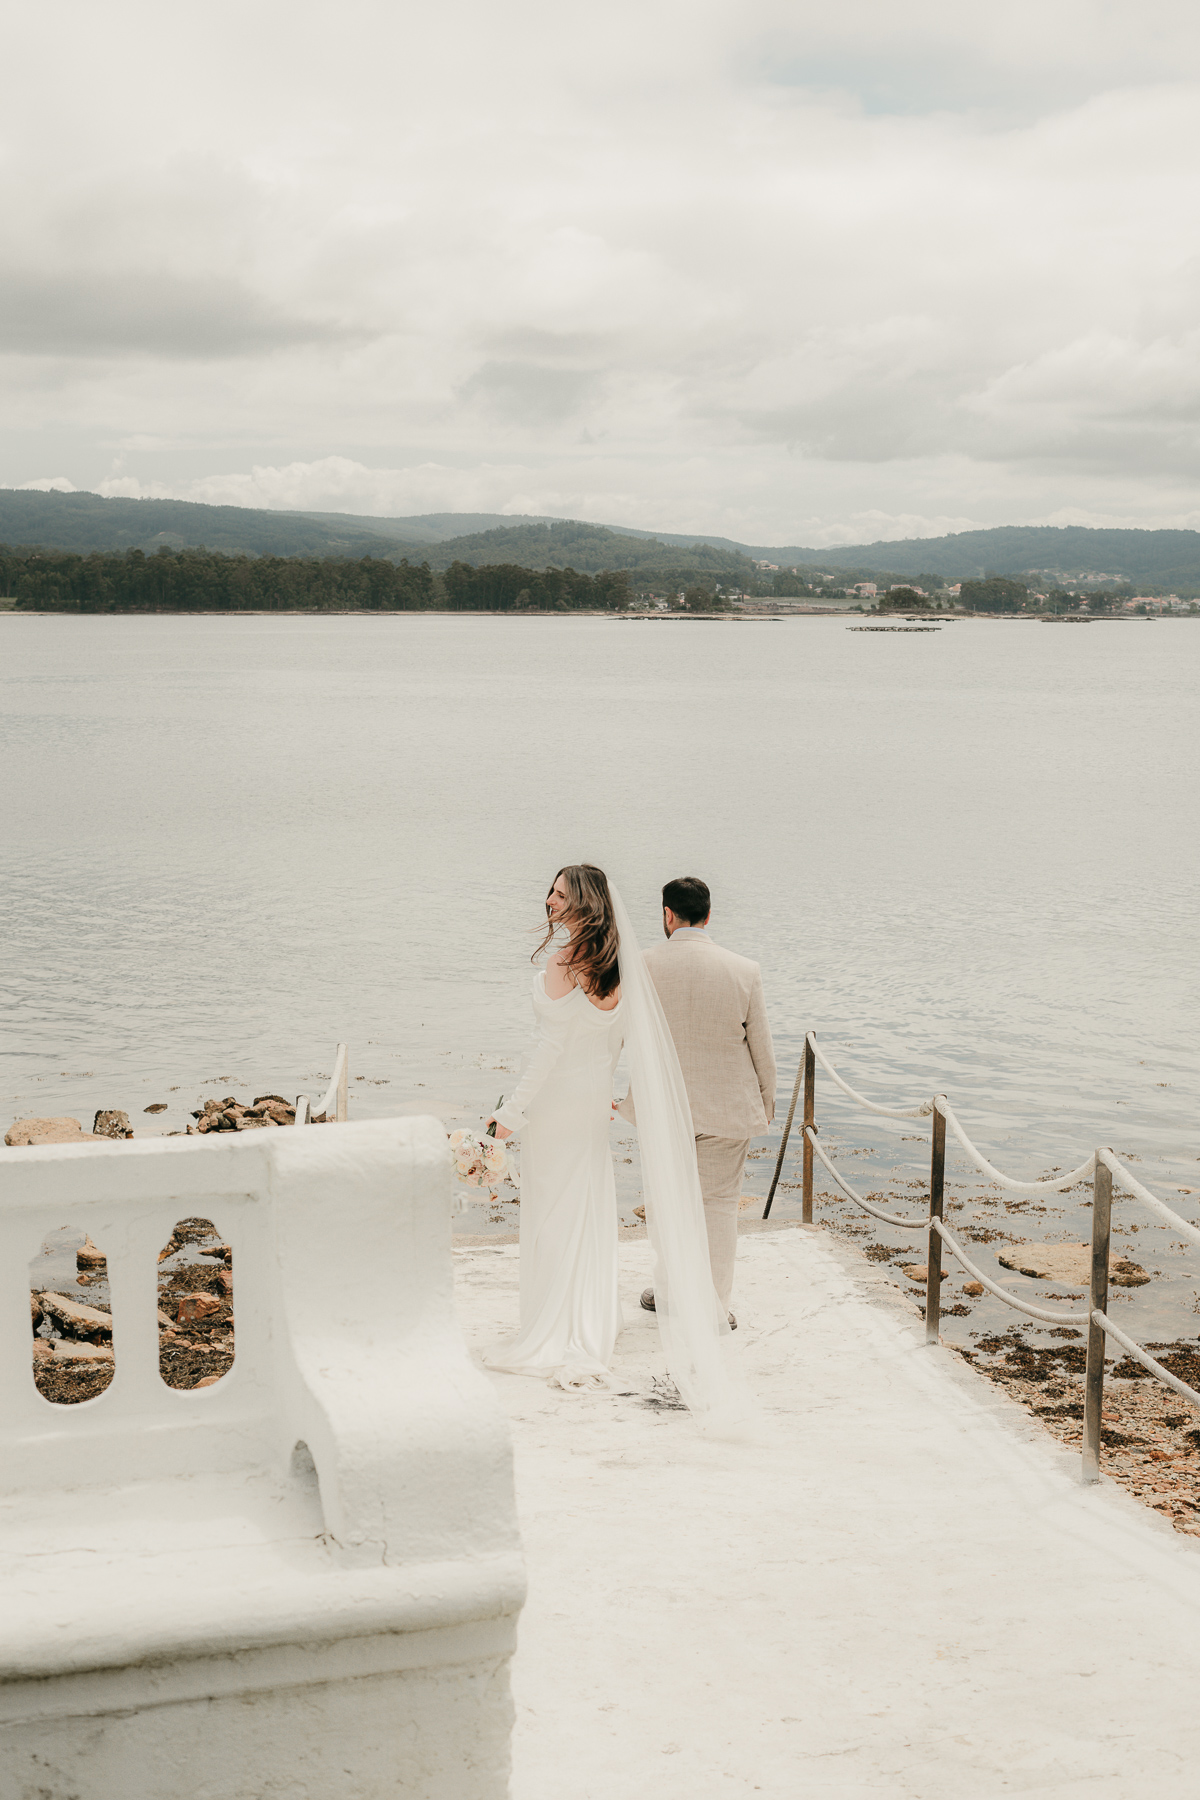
(43, 1349)
(35, 1310)
(915, 1271)
(639, 1212)
(163, 1319)
(64, 1352)
(273, 1100)
(112, 1125)
(209, 1381)
(88, 1257)
(46, 1131)
(194, 1307)
(158, 1106)
(74, 1315)
(974, 1288)
(748, 1200)
(225, 1282)
(1070, 1264)
(215, 1250)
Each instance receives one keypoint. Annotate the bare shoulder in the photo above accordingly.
(558, 981)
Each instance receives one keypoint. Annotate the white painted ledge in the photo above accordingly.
(162, 1550)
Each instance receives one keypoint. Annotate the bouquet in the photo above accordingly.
(481, 1162)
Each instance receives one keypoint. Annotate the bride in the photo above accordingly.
(593, 995)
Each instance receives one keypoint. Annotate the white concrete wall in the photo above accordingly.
(195, 1606)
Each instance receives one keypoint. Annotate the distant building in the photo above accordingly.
(867, 589)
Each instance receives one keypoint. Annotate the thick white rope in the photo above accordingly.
(1144, 1357)
(875, 1211)
(1035, 1312)
(989, 1169)
(1146, 1197)
(888, 1112)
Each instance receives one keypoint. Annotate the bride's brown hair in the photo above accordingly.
(591, 927)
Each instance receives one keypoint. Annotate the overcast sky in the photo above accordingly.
(798, 273)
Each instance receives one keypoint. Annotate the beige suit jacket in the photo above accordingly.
(713, 1000)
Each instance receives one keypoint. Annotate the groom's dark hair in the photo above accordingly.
(688, 898)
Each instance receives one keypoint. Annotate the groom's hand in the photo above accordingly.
(502, 1131)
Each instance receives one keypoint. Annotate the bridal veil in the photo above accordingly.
(694, 1327)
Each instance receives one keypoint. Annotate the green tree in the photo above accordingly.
(996, 594)
(903, 599)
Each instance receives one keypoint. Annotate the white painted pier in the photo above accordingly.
(903, 1590)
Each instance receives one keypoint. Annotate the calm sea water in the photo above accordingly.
(967, 858)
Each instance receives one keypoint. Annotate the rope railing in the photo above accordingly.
(1144, 1357)
(1009, 1181)
(1052, 1316)
(920, 1111)
(1102, 1166)
(336, 1104)
(875, 1211)
(1143, 1194)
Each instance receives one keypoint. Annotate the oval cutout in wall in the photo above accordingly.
(195, 1306)
(71, 1315)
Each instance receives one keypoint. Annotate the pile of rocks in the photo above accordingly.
(72, 1342)
(231, 1115)
(82, 1333)
(196, 1346)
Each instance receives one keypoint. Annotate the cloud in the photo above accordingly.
(776, 270)
(140, 314)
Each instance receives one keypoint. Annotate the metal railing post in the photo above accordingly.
(1093, 1392)
(810, 1103)
(303, 1108)
(783, 1142)
(343, 1092)
(933, 1260)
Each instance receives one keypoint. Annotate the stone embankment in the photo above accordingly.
(72, 1341)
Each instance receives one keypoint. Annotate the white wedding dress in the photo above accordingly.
(570, 1313)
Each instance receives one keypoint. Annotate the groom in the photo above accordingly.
(713, 1000)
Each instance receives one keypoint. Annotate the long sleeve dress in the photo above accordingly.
(570, 1312)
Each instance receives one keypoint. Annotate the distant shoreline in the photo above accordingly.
(8, 610)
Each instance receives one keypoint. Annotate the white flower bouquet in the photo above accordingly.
(481, 1162)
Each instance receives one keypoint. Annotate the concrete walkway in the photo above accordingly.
(903, 1590)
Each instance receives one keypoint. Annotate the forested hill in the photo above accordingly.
(90, 522)
(86, 522)
(1156, 558)
(565, 543)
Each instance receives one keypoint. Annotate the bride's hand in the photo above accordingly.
(502, 1131)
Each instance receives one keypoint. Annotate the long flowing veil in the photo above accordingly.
(695, 1331)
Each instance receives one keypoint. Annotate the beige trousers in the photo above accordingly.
(721, 1162)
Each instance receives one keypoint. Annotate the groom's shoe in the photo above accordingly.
(648, 1303)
